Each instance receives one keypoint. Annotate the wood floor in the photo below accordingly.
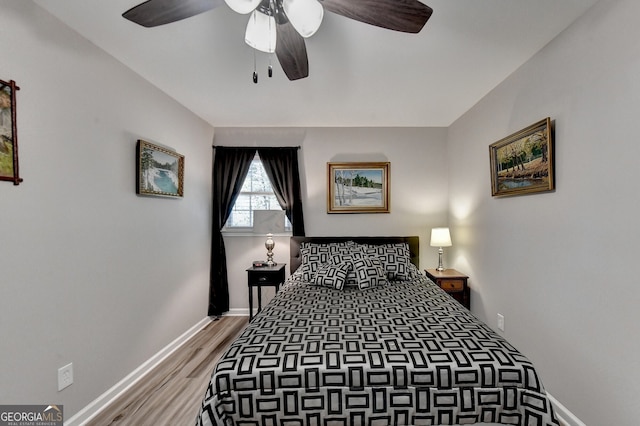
(171, 394)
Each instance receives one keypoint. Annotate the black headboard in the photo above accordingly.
(296, 243)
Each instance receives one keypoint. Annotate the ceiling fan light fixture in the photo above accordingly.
(305, 15)
(289, 21)
(243, 6)
(261, 32)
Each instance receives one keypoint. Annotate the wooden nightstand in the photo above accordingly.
(263, 276)
(454, 283)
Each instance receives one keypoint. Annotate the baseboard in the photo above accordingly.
(97, 405)
(238, 312)
(566, 417)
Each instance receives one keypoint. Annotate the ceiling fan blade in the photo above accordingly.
(291, 50)
(400, 15)
(159, 12)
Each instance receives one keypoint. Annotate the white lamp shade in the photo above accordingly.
(242, 6)
(261, 32)
(305, 15)
(440, 237)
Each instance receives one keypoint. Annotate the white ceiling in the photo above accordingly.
(359, 75)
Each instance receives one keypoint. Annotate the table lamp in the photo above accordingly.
(269, 245)
(440, 237)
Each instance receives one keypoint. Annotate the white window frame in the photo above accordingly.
(248, 230)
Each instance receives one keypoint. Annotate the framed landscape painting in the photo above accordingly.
(358, 187)
(160, 171)
(522, 163)
(8, 133)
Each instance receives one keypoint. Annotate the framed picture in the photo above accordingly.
(522, 163)
(358, 188)
(8, 133)
(160, 171)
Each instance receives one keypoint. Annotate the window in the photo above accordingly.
(256, 194)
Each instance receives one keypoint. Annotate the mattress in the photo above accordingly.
(403, 353)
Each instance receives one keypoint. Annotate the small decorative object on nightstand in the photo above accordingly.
(263, 276)
(454, 283)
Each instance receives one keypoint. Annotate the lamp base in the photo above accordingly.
(440, 268)
(269, 245)
(270, 261)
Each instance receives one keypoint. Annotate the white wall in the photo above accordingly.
(90, 273)
(95, 275)
(561, 266)
(417, 179)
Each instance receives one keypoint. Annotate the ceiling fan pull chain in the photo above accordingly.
(255, 73)
(273, 13)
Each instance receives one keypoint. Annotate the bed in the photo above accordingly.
(371, 343)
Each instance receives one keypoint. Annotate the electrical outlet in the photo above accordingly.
(65, 376)
(500, 322)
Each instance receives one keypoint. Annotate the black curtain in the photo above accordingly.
(281, 165)
(230, 167)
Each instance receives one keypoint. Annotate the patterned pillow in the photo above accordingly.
(312, 258)
(314, 255)
(331, 246)
(395, 258)
(369, 272)
(414, 272)
(330, 275)
(348, 258)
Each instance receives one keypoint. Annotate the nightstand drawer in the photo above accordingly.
(451, 285)
(268, 278)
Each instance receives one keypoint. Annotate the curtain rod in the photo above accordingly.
(253, 147)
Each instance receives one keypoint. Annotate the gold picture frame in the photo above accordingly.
(358, 187)
(523, 163)
(160, 171)
(9, 170)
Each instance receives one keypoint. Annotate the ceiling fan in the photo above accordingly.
(281, 26)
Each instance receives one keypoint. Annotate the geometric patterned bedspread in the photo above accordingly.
(401, 354)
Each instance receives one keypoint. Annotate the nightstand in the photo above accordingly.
(264, 276)
(454, 283)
